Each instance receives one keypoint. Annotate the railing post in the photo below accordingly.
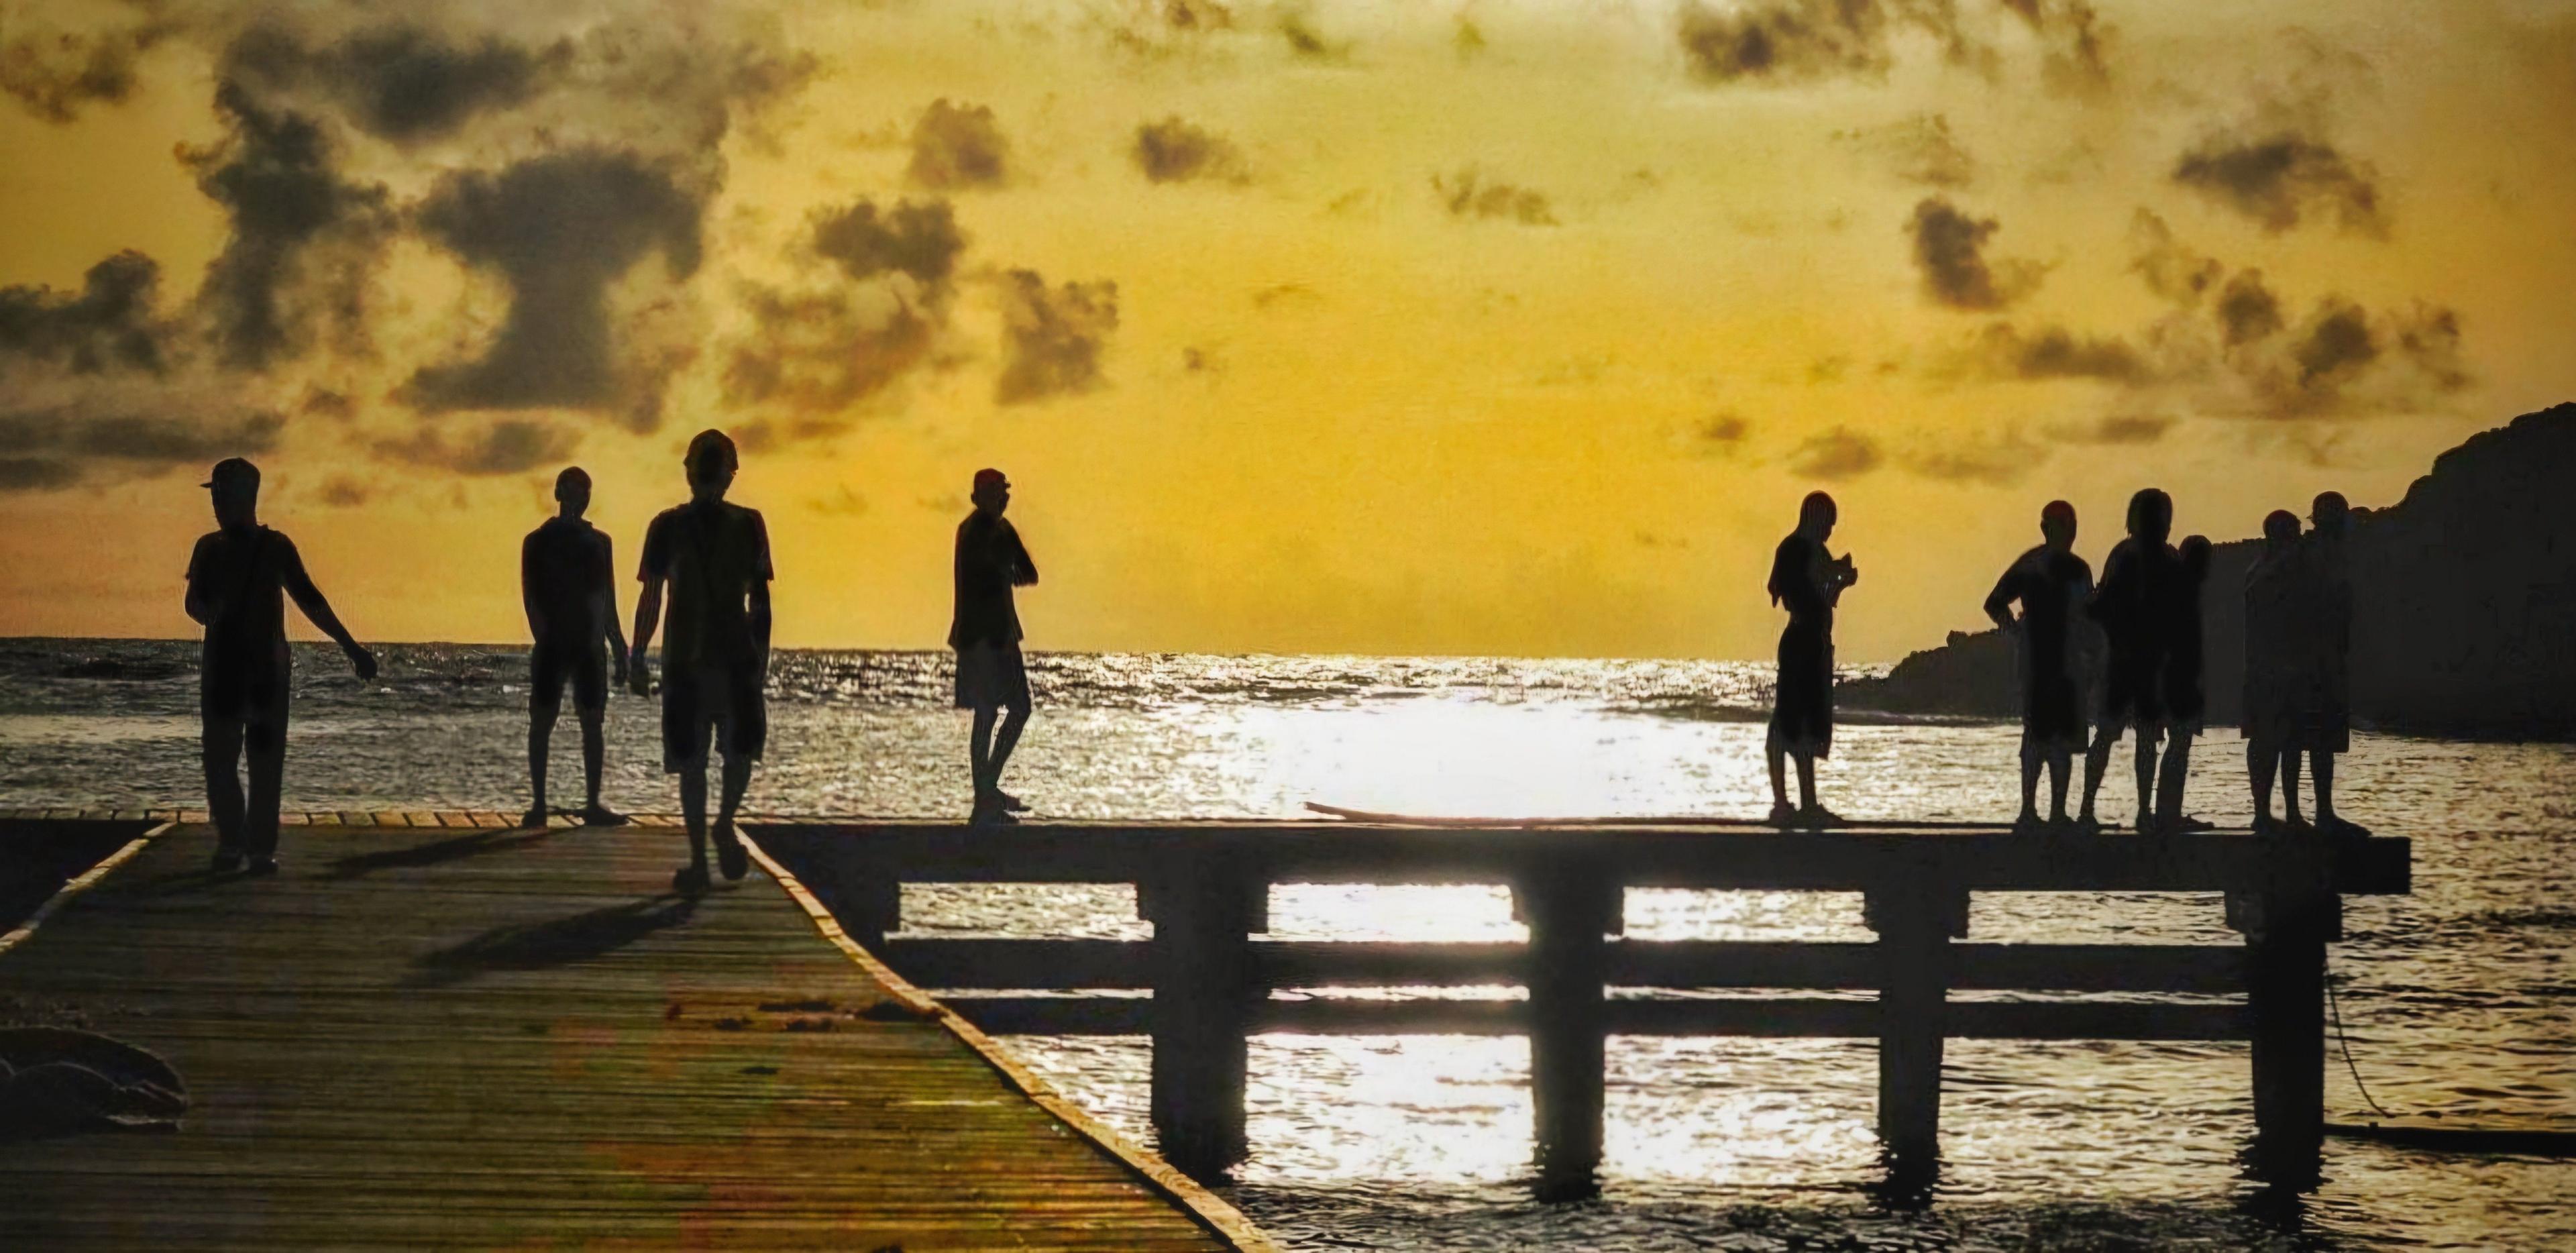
(1203, 909)
(2287, 924)
(1569, 910)
(1915, 924)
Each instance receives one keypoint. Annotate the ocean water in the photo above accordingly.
(2456, 999)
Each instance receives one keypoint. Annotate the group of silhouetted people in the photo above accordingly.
(2098, 661)
(706, 573)
(2135, 638)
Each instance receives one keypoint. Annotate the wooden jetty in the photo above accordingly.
(1210, 980)
(443, 1031)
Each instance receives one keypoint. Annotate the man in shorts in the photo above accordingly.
(992, 678)
(2278, 662)
(1808, 581)
(2134, 606)
(2186, 693)
(2054, 642)
(238, 580)
(566, 588)
(2327, 729)
(713, 556)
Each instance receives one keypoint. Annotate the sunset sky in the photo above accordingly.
(1503, 326)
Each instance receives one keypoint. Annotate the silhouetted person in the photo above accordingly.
(2133, 605)
(2280, 660)
(2329, 722)
(713, 555)
(992, 677)
(2186, 696)
(2053, 637)
(1808, 581)
(566, 587)
(238, 581)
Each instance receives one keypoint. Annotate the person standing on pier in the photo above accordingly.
(1808, 581)
(2133, 604)
(568, 591)
(2186, 697)
(2278, 659)
(992, 677)
(2328, 728)
(713, 556)
(238, 580)
(2053, 640)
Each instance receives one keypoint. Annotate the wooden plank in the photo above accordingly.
(490, 818)
(390, 818)
(487, 1038)
(1758, 1017)
(455, 818)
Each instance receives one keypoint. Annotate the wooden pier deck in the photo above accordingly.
(454, 1033)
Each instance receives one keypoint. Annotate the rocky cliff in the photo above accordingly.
(2465, 599)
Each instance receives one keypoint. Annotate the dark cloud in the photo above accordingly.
(2247, 310)
(401, 82)
(1173, 151)
(1052, 337)
(1297, 27)
(2171, 269)
(60, 445)
(109, 324)
(1949, 248)
(1467, 194)
(958, 148)
(559, 229)
(1840, 453)
(1722, 435)
(2334, 345)
(507, 446)
(342, 492)
(1785, 40)
(2429, 336)
(1996, 463)
(2283, 178)
(2078, 60)
(304, 242)
(2115, 429)
(54, 74)
(1920, 149)
(918, 239)
(2054, 352)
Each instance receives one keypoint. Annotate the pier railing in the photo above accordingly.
(1205, 887)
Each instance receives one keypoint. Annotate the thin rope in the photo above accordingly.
(2346, 1041)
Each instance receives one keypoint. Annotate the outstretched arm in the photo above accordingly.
(648, 616)
(318, 610)
(1999, 601)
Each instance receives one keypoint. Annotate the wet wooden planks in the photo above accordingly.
(472, 1036)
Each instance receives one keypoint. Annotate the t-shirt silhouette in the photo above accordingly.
(990, 560)
(564, 564)
(2052, 587)
(242, 577)
(1800, 573)
(711, 553)
(2135, 603)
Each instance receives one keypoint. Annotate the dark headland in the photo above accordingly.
(2466, 605)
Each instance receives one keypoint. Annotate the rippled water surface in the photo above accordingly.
(2456, 998)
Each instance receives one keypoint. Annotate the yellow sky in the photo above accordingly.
(1333, 413)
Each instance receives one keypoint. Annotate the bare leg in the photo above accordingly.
(1006, 737)
(2322, 765)
(737, 780)
(2169, 782)
(541, 735)
(2146, 760)
(222, 749)
(594, 754)
(2030, 758)
(2261, 761)
(693, 812)
(1779, 759)
(266, 747)
(1807, 780)
(2060, 765)
(979, 750)
(2096, 760)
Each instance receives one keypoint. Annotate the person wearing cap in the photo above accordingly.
(2053, 644)
(2278, 660)
(568, 591)
(239, 578)
(2134, 606)
(2327, 727)
(1808, 581)
(992, 677)
(713, 557)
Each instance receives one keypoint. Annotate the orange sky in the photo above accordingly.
(1457, 327)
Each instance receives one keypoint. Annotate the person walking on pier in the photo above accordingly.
(2186, 697)
(238, 580)
(2133, 604)
(566, 587)
(2053, 641)
(2328, 725)
(992, 677)
(1808, 581)
(713, 556)
(2278, 660)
